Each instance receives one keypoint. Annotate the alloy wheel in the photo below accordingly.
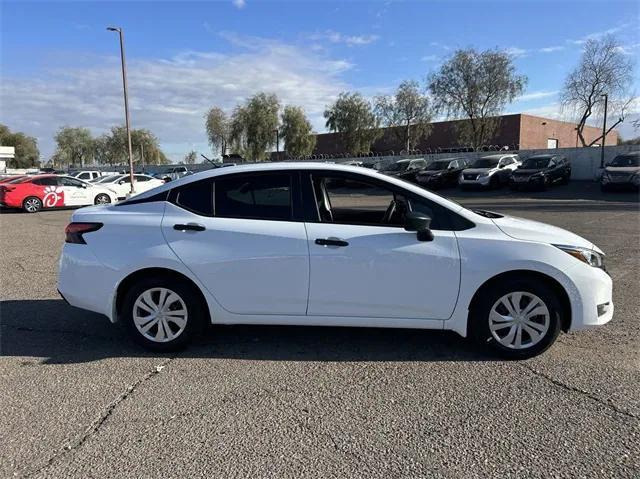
(102, 199)
(519, 320)
(32, 205)
(160, 315)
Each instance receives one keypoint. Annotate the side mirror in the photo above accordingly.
(419, 223)
(121, 182)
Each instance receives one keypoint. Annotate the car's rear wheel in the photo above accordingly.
(162, 314)
(102, 199)
(32, 204)
(517, 319)
(494, 182)
(564, 180)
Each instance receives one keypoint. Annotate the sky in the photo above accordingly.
(60, 67)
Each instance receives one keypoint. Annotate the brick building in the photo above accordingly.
(517, 131)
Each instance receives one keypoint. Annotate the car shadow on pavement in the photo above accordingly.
(56, 333)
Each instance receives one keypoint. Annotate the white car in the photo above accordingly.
(296, 244)
(121, 184)
(87, 175)
(490, 171)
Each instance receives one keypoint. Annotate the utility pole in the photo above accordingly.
(142, 156)
(604, 130)
(277, 144)
(126, 102)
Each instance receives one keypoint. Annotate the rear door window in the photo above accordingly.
(196, 197)
(258, 196)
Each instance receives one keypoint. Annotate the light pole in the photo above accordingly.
(126, 102)
(277, 144)
(604, 130)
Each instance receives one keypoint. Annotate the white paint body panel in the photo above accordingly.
(271, 272)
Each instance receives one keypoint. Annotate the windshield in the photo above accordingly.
(626, 160)
(485, 163)
(535, 163)
(399, 166)
(438, 165)
(108, 179)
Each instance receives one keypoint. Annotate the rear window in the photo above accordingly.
(264, 196)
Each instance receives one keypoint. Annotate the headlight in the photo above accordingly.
(589, 256)
(537, 176)
(483, 175)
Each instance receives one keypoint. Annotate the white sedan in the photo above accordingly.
(324, 244)
(121, 184)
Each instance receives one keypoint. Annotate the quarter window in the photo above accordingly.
(196, 197)
(262, 196)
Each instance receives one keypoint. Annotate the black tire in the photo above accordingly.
(546, 183)
(185, 291)
(32, 204)
(494, 182)
(479, 323)
(102, 199)
(564, 180)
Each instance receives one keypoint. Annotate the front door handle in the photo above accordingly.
(189, 227)
(331, 242)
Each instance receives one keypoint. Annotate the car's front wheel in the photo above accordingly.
(162, 314)
(517, 319)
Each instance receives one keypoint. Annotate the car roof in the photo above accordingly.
(541, 157)
(292, 166)
(497, 157)
(449, 159)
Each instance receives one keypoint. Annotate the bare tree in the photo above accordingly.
(218, 126)
(476, 86)
(603, 69)
(408, 110)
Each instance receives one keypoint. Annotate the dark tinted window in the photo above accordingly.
(263, 196)
(51, 181)
(66, 181)
(196, 197)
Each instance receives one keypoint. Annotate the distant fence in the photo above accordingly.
(585, 162)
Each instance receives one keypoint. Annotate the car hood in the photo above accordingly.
(528, 230)
(622, 169)
(477, 171)
(527, 172)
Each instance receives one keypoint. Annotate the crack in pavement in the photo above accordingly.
(97, 423)
(606, 403)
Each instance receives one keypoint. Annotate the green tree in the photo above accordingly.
(143, 143)
(354, 119)
(190, 158)
(218, 126)
(27, 154)
(476, 86)
(296, 132)
(74, 145)
(254, 126)
(408, 111)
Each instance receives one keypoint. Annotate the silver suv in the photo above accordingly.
(623, 171)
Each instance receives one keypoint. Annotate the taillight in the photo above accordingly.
(74, 231)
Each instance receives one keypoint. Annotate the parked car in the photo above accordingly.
(53, 191)
(13, 178)
(541, 171)
(279, 244)
(622, 172)
(121, 184)
(442, 173)
(490, 171)
(86, 175)
(405, 169)
(169, 173)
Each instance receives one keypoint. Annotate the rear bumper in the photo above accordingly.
(84, 282)
(480, 182)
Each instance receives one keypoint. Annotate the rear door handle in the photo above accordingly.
(331, 242)
(189, 227)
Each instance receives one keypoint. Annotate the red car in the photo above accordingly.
(52, 191)
(12, 178)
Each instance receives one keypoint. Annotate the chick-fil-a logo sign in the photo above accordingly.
(53, 196)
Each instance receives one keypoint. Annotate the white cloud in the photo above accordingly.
(170, 96)
(600, 34)
(556, 48)
(350, 40)
(430, 58)
(516, 52)
(239, 3)
(536, 95)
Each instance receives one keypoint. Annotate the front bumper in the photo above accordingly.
(480, 181)
(592, 298)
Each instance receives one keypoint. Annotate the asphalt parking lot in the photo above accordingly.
(80, 399)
